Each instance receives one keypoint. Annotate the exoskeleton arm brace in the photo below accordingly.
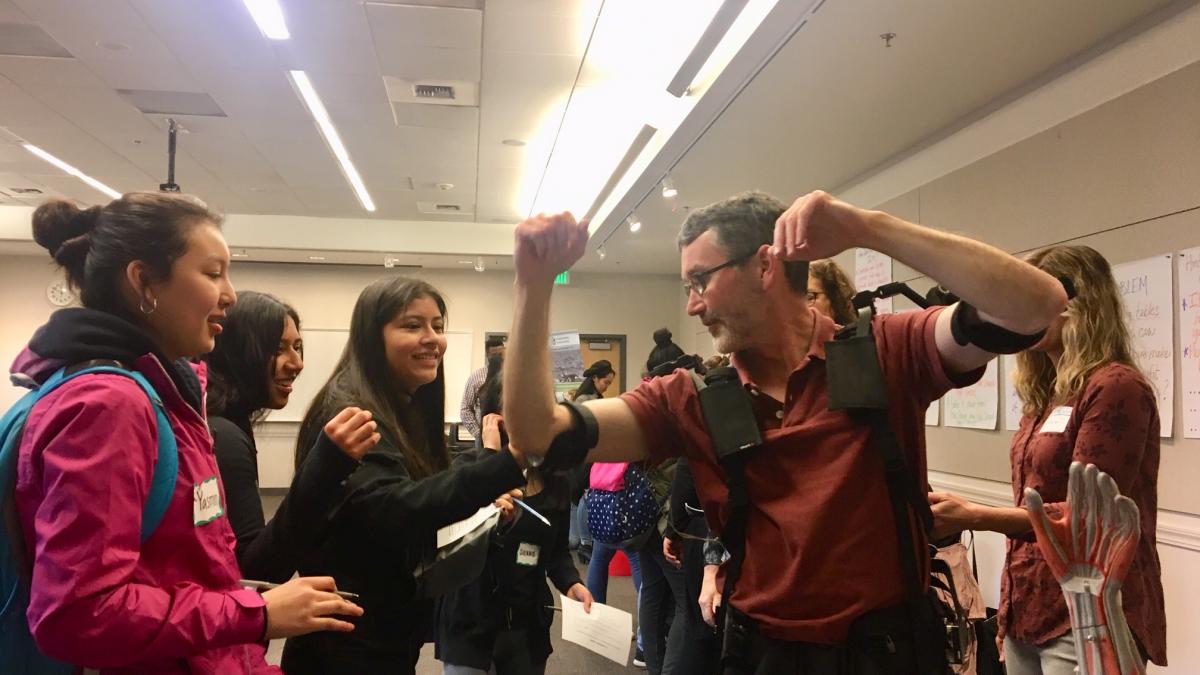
(1089, 549)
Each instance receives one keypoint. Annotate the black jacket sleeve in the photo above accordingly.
(561, 569)
(683, 492)
(383, 493)
(318, 484)
(237, 460)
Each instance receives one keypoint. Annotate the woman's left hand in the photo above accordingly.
(492, 425)
(507, 506)
(951, 514)
(580, 593)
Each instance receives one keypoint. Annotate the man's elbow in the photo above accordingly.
(1054, 303)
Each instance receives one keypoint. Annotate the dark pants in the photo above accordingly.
(656, 607)
(880, 644)
(510, 657)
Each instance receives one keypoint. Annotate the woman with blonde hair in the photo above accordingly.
(1084, 400)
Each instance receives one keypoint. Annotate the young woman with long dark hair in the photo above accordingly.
(391, 507)
(152, 270)
(257, 358)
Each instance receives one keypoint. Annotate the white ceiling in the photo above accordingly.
(833, 104)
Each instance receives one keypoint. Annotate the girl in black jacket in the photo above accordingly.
(391, 507)
(500, 623)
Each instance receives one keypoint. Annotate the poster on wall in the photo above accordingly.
(1187, 266)
(873, 269)
(566, 359)
(1145, 287)
(931, 413)
(1012, 402)
(976, 406)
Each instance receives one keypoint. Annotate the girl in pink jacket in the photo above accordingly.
(153, 274)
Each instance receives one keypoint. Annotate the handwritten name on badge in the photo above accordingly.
(1056, 423)
(527, 554)
(206, 502)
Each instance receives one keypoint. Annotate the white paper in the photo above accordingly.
(607, 631)
(455, 531)
(1012, 402)
(873, 269)
(1145, 287)
(1187, 264)
(1056, 422)
(931, 414)
(976, 406)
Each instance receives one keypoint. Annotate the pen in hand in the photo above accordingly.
(266, 586)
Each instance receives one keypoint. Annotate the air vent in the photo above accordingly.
(439, 91)
(24, 191)
(172, 102)
(444, 208)
(22, 39)
(453, 208)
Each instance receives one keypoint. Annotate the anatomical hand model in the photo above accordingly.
(1089, 550)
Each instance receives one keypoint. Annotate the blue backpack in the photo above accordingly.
(19, 654)
(623, 517)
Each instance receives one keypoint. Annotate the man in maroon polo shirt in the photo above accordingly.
(820, 547)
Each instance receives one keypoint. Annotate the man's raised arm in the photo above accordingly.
(545, 246)
(1006, 292)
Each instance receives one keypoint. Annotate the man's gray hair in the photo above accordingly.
(743, 222)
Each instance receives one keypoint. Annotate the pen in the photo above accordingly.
(530, 509)
(266, 586)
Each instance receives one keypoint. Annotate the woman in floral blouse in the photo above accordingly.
(1084, 400)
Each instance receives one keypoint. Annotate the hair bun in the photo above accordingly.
(662, 337)
(63, 229)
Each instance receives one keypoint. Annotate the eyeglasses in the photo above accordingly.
(698, 281)
(813, 295)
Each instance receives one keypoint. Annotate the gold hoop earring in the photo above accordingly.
(153, 306)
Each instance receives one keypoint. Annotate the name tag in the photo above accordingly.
(527, 554)
(1056, 423)
(206, 502)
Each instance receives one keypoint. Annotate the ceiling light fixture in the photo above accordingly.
(721, 22)
(316, 257)
(321, 116)
(479, 264)
(635, 223)
(668, 188)
(269, 17)
(601, 252)
(35, 150)
(513, 142)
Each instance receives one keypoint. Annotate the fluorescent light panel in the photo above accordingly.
(269, 17)
(717, 28)
(635, 148)
(321, 116)
(35, 150)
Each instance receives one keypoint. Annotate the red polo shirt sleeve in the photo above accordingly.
(660, 405)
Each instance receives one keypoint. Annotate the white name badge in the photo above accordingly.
(206, 502)
(1056, 423)
(527, 554)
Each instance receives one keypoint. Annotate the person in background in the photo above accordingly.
(258, 356)
(468, 412)
(385, 521)
(1084, 400)
(665, 350)
(153, 274)
(500, 623)
(830, 291)
(596, 380)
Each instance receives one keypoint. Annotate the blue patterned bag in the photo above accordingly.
(623, 517)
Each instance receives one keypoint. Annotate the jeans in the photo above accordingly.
(656, 608)
(573, 530)
(1056, 658)
(597, 573)
(581, 513)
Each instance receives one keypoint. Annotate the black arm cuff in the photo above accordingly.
(570, 448)
(968, 328)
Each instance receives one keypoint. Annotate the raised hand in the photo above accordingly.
(353, 431)
(492, 425)
(1089, 549)
(508, 508)
(818, 226)
(547, 245)
(306, 605)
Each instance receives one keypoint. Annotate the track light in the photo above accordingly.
(601, 252)
(668, 188)
(479, 264)
(635, 223)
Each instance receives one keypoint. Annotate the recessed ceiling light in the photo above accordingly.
(445, 186)
(321, 116)
(111, 193)
(514, 142)
(466, 262)
(269, 17)
(316, 257)
(112, 46)
(240, 254)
